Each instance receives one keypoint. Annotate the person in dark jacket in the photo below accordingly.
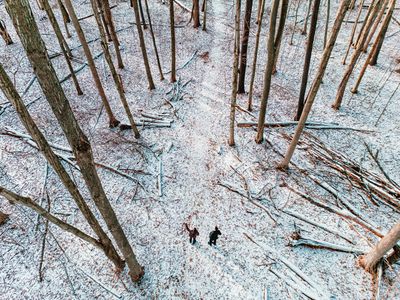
(193, 233)
(214, 236)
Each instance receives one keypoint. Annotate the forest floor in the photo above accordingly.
(253, 255)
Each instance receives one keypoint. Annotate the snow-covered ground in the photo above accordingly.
(196, 162)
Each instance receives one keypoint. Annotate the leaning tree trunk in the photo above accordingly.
(113, 122)
(371, 259)
(255, 57)
(4, 33)
(143, 45)
(279, 34)
(65, 17)
(344, 5)
(244, 47)
(142, 14)
(35, 49)
(354, 58)
(204, 10)
(307, 59)
(105, 5)
(375, 26)
(196, 13)
(173, 47)
(114, 73)
(12, 95)
(231, 140)
(268, 72)
(63, 44)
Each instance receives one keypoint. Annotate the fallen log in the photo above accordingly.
(324, 245)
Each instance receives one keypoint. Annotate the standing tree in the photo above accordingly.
(244, 47)
(143, 45)
(344, 5)
(173, 47)
(204, 10)
(35, 49)
(196, 13)
(307, 59)
(4, 33)
(231, 140)
(268, 72)
(279, 34)
(65, 17)
(113, 122)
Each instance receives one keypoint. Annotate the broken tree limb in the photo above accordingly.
(308, 242)
(181, 5)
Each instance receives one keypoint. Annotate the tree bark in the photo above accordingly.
(371, 259)
(255, 57)
(375, 26)
(268, 72)
(244, 47)
(279, 34)
(142, 14)
(307, 59)
(36, 52)
(4, 33)
(143, 45)
(113, 122)
(231, 140)
(196, 13)
(173, 47)
(204, 10)
(117, 79)
(63, 44)
(344, 5)
(65, 17)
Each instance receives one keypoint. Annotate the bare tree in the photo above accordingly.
(196, 13)
(65, 16)
(12, 95)
(173, 47)
(113, 122)
(279, 34)
(268, 72)
(244, 46)
(143, 45)
(344, 5)
(204, 10)
(4, 33)
(35, 49)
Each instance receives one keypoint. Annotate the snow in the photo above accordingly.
(197, 162)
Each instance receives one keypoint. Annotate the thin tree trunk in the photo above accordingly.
(259, 8)
(4, 33)
(105, 22)
(63, 44)
(304, 32)
(371, 259)
(154, 41)
(365, 21)
(173, 47)
(295, 22)
(344, 5)
(113, 122)
(255, 57)
(358, 51)
(196, 13)
(65, 17)
(36, 52)
(268, 72)
(28, 202)
(279, 34)
(114, 74)
(375, 26)
(143, 45)
(204, 10)
(375, 54)
(108, 16)
(142, 14)
(375, 46)
(328, 13)
(307, 59)
(353, 31)
(231, 140)
(244, 47)
(12, 95)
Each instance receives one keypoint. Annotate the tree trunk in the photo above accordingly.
(173, 48)
(142, 14)
(154, 41)
(279, 34)
(4, 33)
(3, 218)
(143, 45)
(354, 58)
(65, 17)
(63, 44)
(12, 95)
(255, 57)
(268, 72)
(371, 259)
(375, 26)
(328, 12)
(196, 13)
(36, 52)
(244, 47)
(113, 122)
(108, 16)
(344, 5)
(231, 140)
(307, 59)
(110, 63)
(304, 32)
(204, 10)
(375, 46)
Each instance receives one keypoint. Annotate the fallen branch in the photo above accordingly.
(324, 245)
